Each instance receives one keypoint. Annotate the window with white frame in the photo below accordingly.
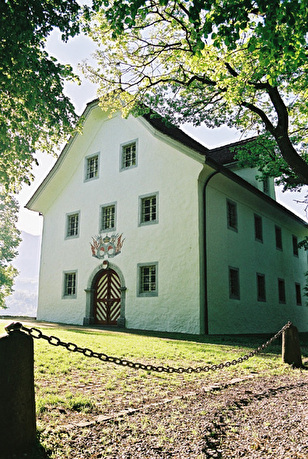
(148, 209)
(128, 155)
(72, 225)
(108, 217)
(147, 279)
(70, 284)
(92, 164)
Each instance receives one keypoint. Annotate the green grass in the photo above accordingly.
(72, 388)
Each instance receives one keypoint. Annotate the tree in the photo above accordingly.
(9, 241)
(35, 113)
(237, 62)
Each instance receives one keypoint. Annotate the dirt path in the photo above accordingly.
(259, 418)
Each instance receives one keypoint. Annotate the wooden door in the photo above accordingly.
(107, 298)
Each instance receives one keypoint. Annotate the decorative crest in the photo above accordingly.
(107, 246)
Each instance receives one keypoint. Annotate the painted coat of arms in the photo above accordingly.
(107, 246)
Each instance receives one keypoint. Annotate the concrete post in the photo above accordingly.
(17, 401)
(291, 352)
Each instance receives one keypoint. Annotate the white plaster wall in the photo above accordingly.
(240, 249)
(173, 242)
(249, 174)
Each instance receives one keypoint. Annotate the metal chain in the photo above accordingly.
(54, 341)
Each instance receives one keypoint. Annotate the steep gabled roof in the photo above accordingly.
(221, 155)
(158, 123)
(216, 157)
(225, 154)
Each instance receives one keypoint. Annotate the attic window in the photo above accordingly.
(92, 164)
(128, 155)
(266, 185)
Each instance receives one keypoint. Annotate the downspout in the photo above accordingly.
(206, 321)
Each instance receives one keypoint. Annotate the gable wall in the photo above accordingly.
(172, 243)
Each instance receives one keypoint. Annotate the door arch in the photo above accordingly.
(107, 297)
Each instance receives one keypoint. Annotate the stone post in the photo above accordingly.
(291, 352)
(17, 400)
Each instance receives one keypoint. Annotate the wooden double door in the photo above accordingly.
(107, 298)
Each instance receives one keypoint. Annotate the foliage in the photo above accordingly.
(35, 113)
(9, 241)
(237, 62)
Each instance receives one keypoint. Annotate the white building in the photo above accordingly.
(182, 240)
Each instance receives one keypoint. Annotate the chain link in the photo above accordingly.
(54, 341)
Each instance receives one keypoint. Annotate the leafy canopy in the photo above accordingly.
(9, 241)
(35, 113)
(237, 62)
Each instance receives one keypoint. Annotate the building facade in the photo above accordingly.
(145, 228)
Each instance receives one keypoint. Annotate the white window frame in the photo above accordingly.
(67, 225)
(141, 212)
(105, 206)
(122, 147)
(87, 159)
(65, 295)
(140, 291)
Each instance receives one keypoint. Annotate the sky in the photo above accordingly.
(74, 52)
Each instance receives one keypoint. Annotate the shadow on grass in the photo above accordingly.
(247, 341)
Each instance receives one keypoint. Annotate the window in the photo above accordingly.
(72, 225)
(70, 284)
(278, 237)
(108, 215)
(261, 295)
(147, 279)
(231, 215)
(128, 155)
(149, 209)
(298, 294)
(258, 228)
(92, 167)
(295, 245)
(234, 284)
(266, 186)
(281, 291)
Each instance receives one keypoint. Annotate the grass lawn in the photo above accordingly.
(73, 389)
